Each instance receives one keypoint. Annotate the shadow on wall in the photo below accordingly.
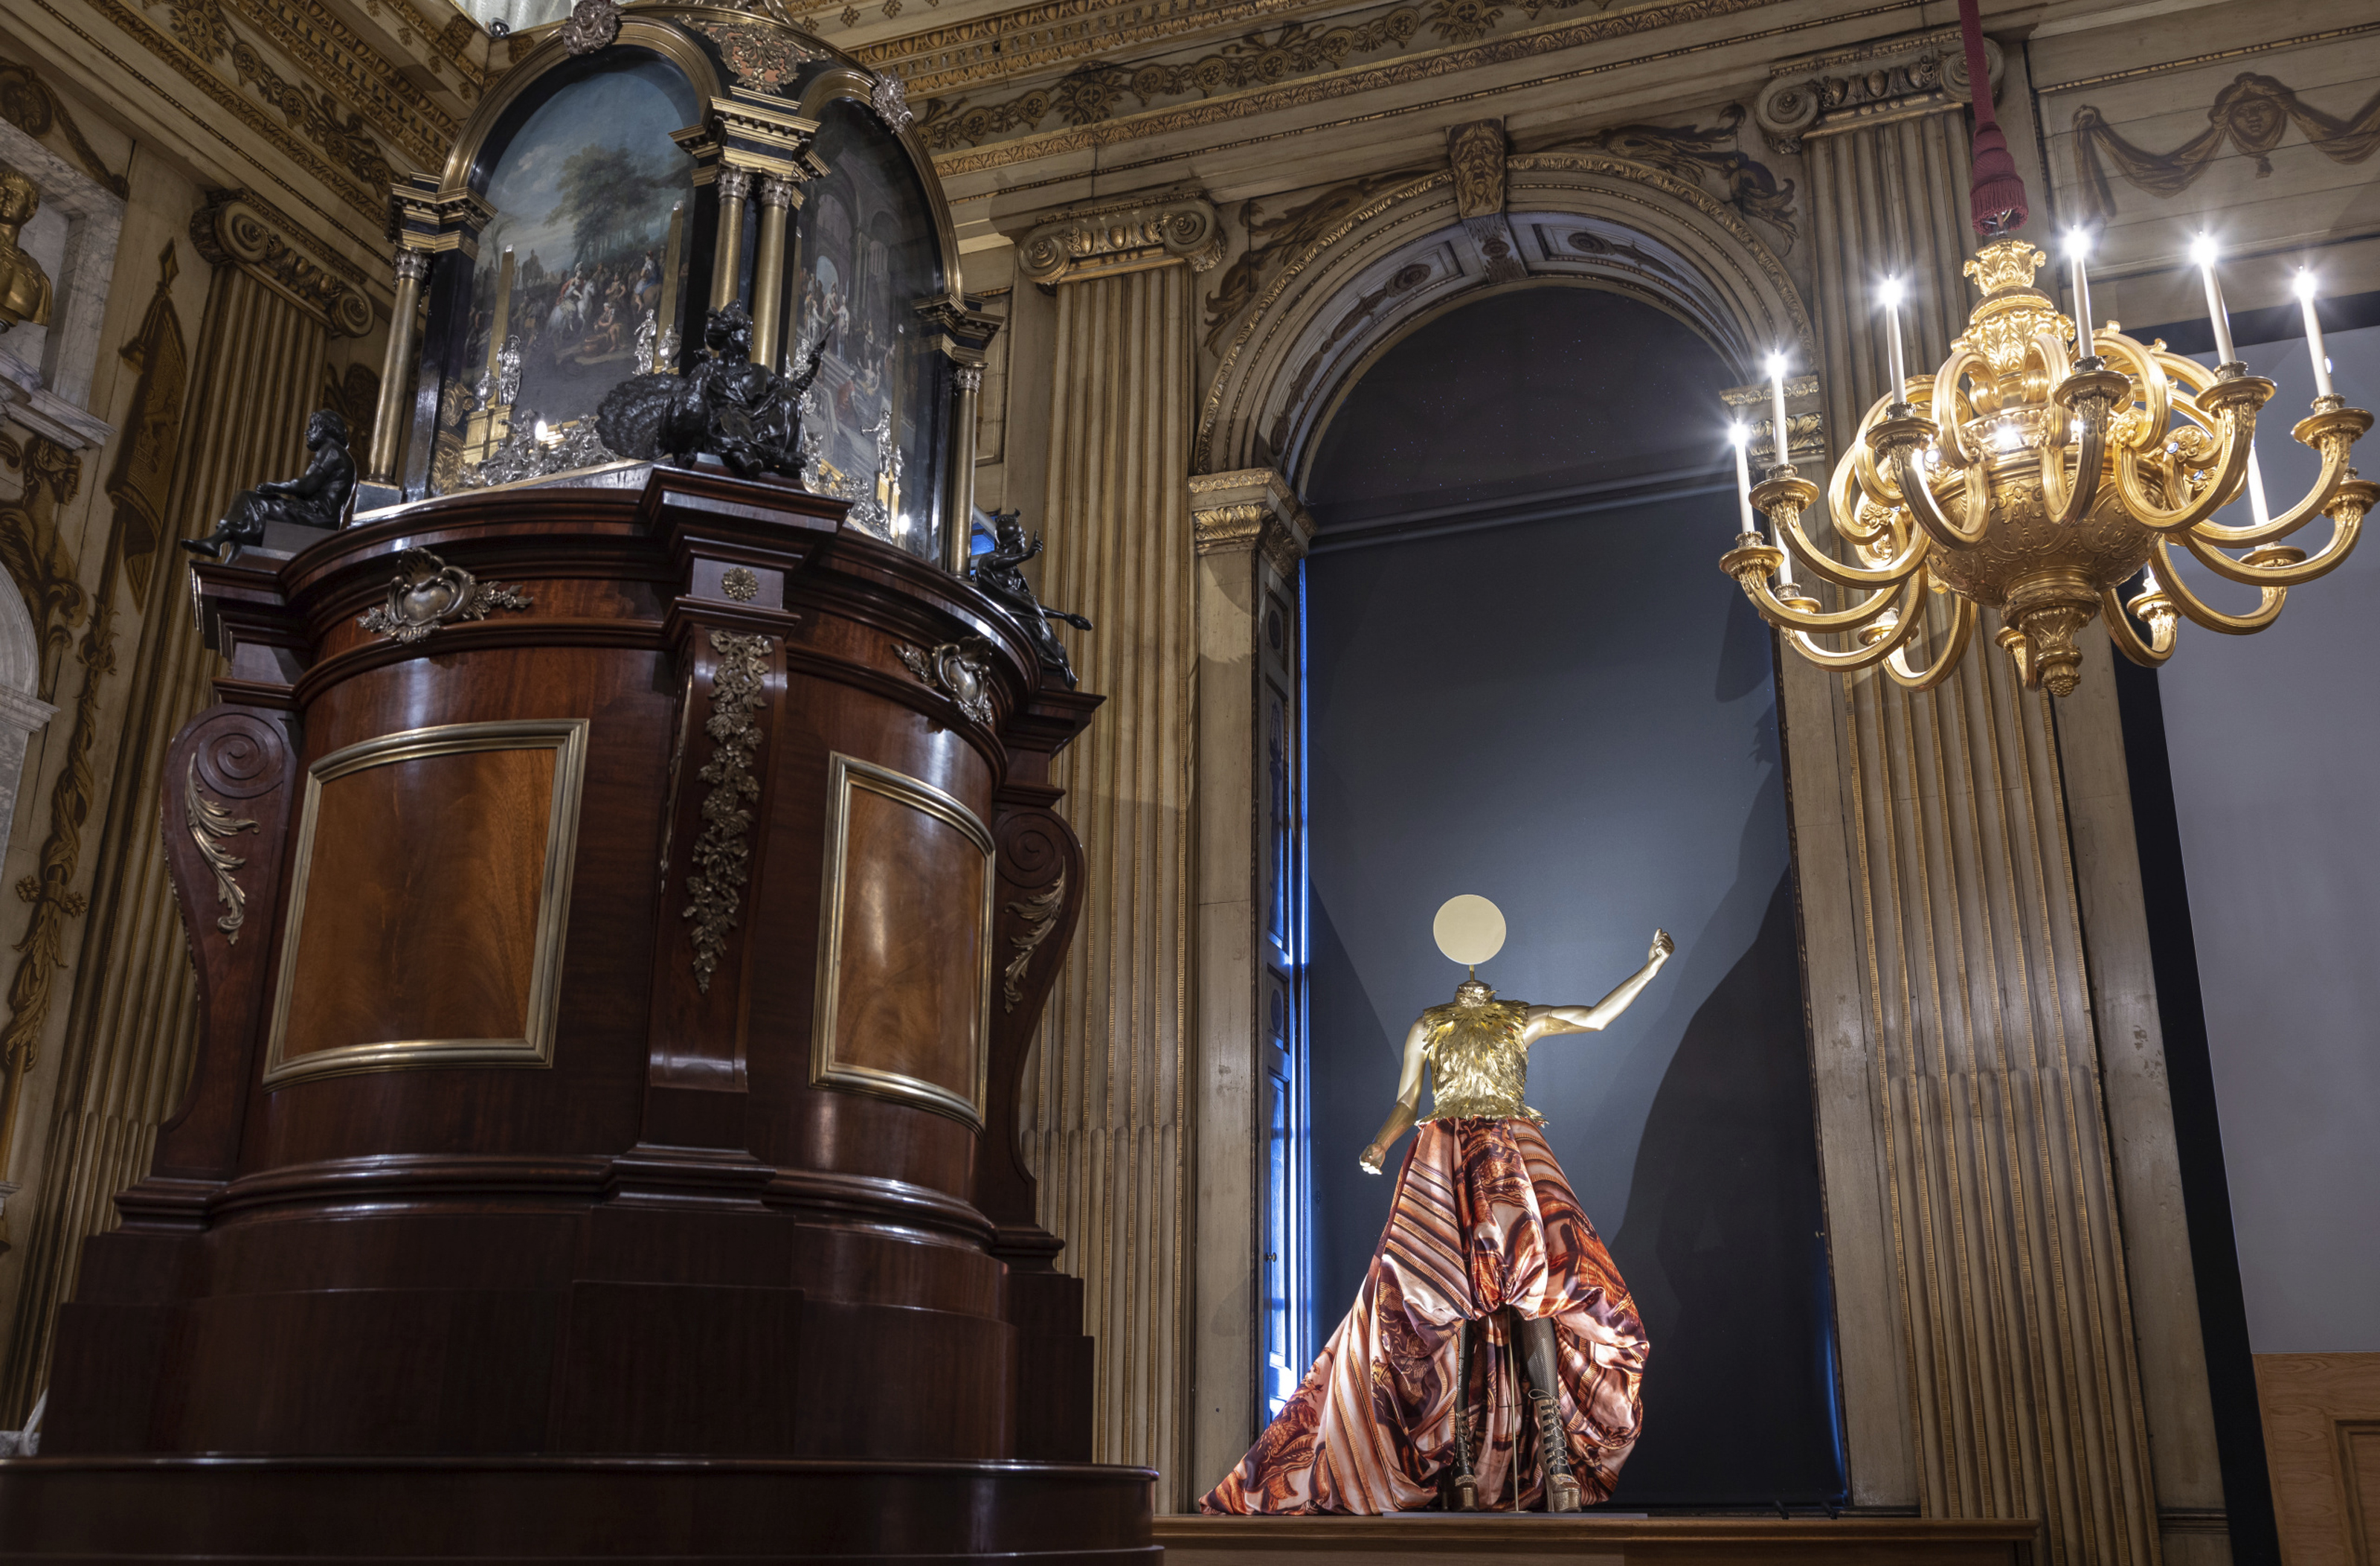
(1724, 1209)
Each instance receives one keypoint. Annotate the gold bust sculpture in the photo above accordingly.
(24, 286)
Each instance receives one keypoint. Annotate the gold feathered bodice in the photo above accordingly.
(1478, 1064)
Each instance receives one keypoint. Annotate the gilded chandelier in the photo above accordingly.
(2025, 479)
(2043, 465)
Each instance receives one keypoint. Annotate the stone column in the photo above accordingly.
(1977, 1206)
(1108, 1100)
(1251, 533)
(272, 309)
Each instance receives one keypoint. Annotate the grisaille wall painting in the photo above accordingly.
(863, 255)
(587, 250)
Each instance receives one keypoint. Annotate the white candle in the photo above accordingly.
(2257, 507)
(2202, 250)
(1741, 437)
(1892, 332)
(2078, 246)
(1776, 394)
(1784, 561)
(2313, 336)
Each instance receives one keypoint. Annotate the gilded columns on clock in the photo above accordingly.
(396, 367)
(1976, 1208)
(734, 186)
(1108, 1103)
(966, 386)
(778, 196)
(255, 376)
(1251, 533)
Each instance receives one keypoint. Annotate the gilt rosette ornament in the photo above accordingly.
(2023, 480)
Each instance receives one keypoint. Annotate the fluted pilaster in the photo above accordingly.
(1106, 1118)
(1971, 1182)
(131, 1027)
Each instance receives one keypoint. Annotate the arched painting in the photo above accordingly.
(865, 256)
(580, 278)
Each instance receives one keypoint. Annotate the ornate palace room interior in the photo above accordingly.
(736, 734)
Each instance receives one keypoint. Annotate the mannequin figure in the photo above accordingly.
(1487, 1267)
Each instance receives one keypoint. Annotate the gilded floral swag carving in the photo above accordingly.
(723, 854)
(1424, 65)
(1094, 93)
(2252, 115)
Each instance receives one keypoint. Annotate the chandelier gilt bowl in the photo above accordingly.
(2028, 481)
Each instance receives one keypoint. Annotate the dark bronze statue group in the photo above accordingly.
(746, 415)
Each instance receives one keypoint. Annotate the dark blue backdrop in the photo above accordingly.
(1574, 716)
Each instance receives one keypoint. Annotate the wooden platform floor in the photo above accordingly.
(1534, 1539)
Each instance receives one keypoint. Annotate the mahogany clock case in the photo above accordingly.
(619, 919)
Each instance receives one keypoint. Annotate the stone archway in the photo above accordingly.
(1419, 247)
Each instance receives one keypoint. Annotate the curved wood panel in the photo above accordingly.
(590, 830)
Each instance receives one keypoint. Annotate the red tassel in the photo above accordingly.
(1996, 202)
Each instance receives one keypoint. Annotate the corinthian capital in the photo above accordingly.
(1155, 230)
(1252, 508)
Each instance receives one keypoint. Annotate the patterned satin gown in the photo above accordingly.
(1483, 1221)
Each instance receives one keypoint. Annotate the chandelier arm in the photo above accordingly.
(1867, 657)
(1954, 646)
(2154, 386)
(1975, 506)
(2147, 654)
(2333, 433)
(1945, 401)
(2091, 398)
(2198, 613)
(1785, 617)
(1799, 544)
(2344, 531)
(2225, 477)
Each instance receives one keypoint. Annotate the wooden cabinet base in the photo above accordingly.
(559, 1510)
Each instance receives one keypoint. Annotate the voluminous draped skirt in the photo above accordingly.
(1482, 1221)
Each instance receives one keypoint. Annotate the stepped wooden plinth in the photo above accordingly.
(1537, 1539)
(612, 1000)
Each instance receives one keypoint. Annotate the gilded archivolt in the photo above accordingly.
(1273, 268)
(1295, 233)
(1354, 80)
(1700, 155)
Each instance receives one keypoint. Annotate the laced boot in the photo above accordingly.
(1553, 1453)
(1465, 1482)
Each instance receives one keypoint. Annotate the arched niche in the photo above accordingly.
(609, 193)
(1582, 219)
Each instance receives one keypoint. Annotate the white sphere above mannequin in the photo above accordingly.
(1469, 929)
